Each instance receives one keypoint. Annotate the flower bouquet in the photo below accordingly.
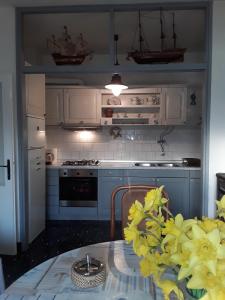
(193, 249)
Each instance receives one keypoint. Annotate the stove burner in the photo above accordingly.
(83, 162)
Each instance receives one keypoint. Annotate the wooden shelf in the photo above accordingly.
(173, 67)
(130, 106)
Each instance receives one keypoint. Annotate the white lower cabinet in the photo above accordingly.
(36, 193)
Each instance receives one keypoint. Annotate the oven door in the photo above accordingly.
(78, 191)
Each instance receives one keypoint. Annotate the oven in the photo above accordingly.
(78, 188)
(220, 185)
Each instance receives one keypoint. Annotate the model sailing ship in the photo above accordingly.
(66, 52)
(143, 56)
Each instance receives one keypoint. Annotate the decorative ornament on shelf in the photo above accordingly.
(66, 52)
(192, 251)
(193, 99)
(115, 132)
(143, 54)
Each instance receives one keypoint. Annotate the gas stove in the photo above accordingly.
(83, 162)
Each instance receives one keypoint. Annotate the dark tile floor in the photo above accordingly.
(59, 237)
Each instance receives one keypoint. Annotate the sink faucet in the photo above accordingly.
(162, 141)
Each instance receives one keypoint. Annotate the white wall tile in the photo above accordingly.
(182, 142)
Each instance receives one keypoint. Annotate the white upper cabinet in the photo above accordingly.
(54, 106)
(81, 106)
(35, 95)
(174, 106)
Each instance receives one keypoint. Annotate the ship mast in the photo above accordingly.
(174, 33)
(140, 32)
(162, 36)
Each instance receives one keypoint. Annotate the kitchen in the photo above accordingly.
(158, 118)
(136, 143)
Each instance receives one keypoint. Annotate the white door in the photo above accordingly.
(7, 180)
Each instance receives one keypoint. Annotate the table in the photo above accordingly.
(51, 279)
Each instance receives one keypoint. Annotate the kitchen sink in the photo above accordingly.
(163, 164)
(169, 165)
(146, 164)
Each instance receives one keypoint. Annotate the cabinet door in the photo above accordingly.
(81, 106)
(36, 132)
(174, 106)
(195, 198)
(106, 187)
(178, 192)
(54, 106)
(36, 192)
(35, 94)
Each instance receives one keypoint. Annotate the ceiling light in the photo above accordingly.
(116, 85)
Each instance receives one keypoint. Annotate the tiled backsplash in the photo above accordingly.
(134, 144)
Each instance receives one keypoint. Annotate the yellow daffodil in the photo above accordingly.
(131, 233)
(154, 199)
(136, 213)
(140, 246)
(175, 231)
(149, 266)
(194, 248)
(205, 249)
(207, 224)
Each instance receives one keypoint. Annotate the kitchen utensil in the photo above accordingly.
(49, 158)
(108, 112)
(191, 162)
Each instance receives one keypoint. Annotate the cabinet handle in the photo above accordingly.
(38, 163)
(7, 166)
(38, 169)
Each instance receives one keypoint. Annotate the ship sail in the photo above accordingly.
(164, 55)
(66, 52)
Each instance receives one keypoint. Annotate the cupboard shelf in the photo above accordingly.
(173, 67)
(130, 106)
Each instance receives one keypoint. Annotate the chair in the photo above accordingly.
(130, 194)
(2, 283)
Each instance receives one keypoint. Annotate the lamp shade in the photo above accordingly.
(116, 85)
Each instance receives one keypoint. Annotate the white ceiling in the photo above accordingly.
(83, 2)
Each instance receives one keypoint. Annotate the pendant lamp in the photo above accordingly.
(116, 85)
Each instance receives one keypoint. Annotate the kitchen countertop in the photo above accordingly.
(123, 165)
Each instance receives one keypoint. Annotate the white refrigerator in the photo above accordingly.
(36, 177)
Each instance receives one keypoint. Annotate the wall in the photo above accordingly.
(8, 66)
(134, 144)
(217, 125)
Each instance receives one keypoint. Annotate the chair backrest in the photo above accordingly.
(130, 194)
(2, 282)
